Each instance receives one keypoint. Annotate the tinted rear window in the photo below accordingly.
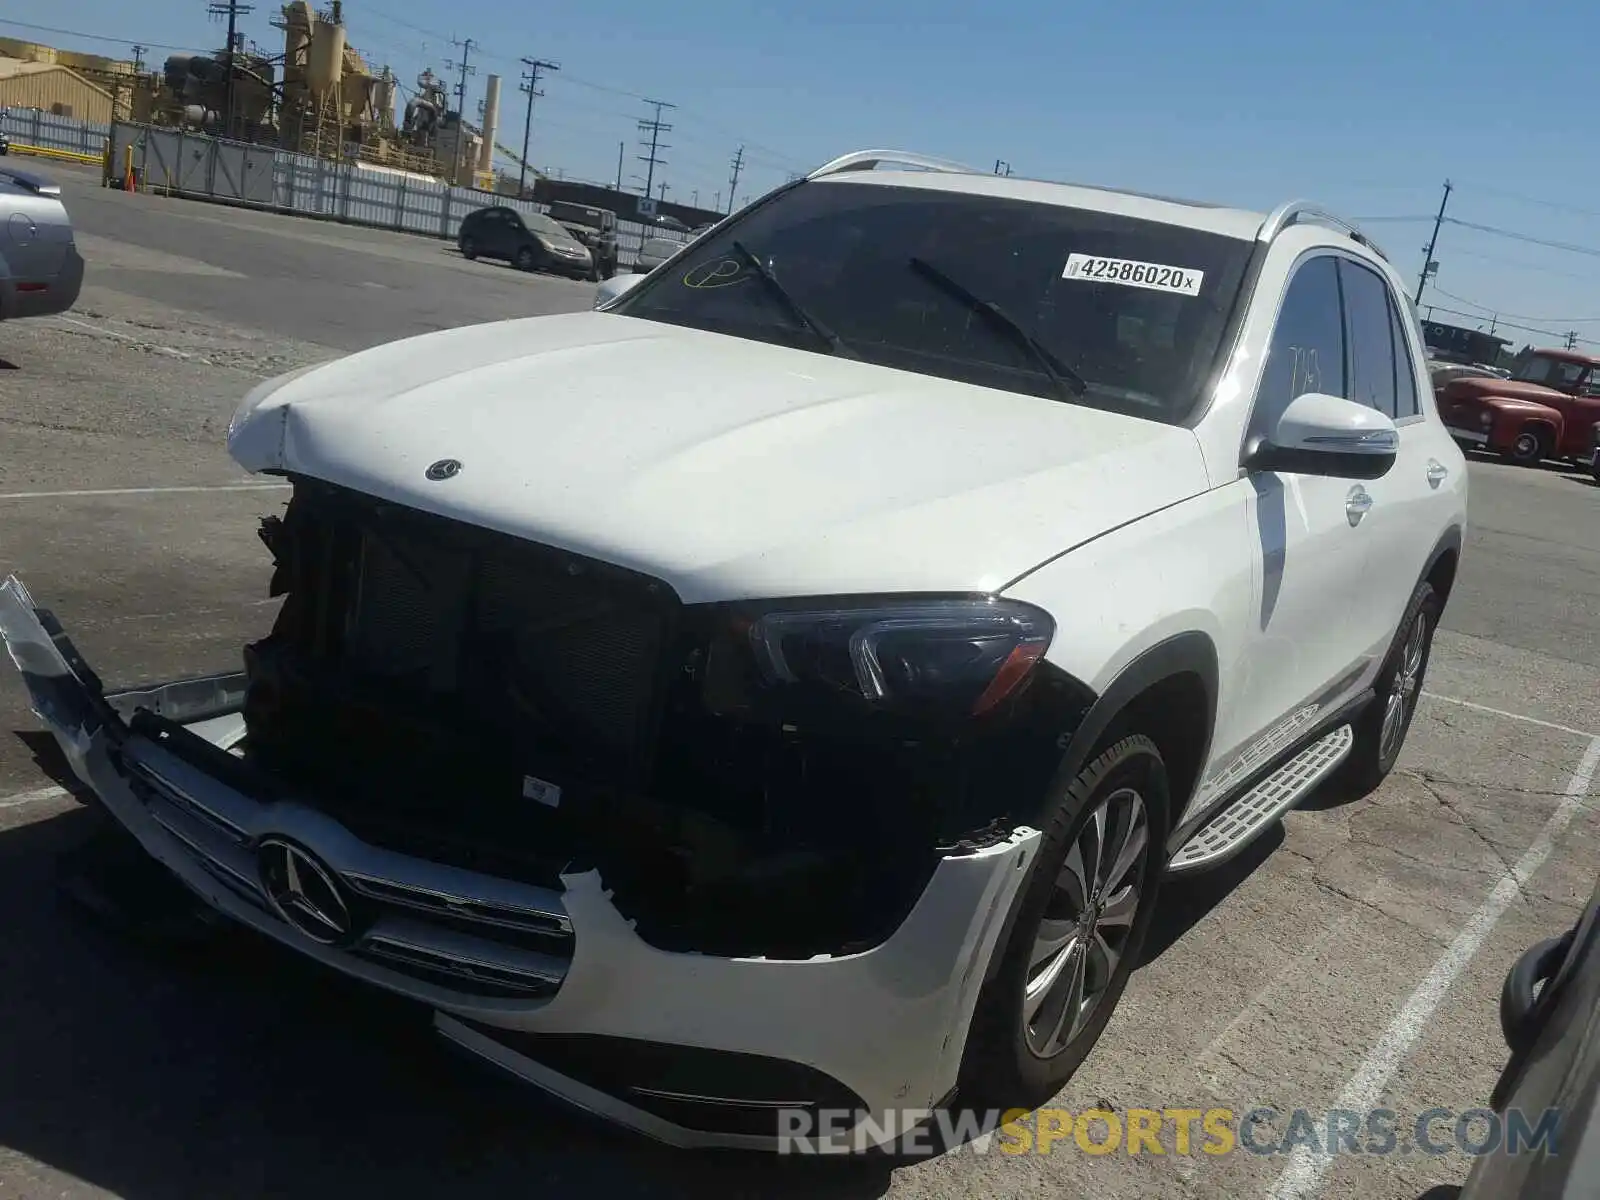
(1136, 308)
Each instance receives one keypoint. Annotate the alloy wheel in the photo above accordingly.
(1403, 691)
(1087, 923)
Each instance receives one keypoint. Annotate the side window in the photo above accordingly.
(1307, 350)
(1405, 367)
(1370, 327)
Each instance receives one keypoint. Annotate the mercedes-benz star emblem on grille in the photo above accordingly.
(445, 468)
(304, 893)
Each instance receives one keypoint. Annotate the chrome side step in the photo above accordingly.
(1236, 826)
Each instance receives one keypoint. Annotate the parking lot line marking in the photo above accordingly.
(1303, 1176)
(1511, 716)
(147, 491)
(101, 331)
(33, 797)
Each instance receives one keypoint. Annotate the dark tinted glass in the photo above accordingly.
(1371, 334)
(1307, 350)
(1405, 367)
(844, 251)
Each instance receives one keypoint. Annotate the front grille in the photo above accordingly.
(473, 935)
(550, 651)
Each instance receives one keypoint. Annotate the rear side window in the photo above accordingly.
(1405, 367)
(1369, 324)
(1307, 350)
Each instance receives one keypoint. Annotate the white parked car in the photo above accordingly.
(789, 686)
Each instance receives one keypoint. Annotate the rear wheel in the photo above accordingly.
(1079, 933)
(469, 248)
(1381, 729)
(526, 259)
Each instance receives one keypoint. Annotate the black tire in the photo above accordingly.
(469, 249)
(1003, 1066)
(527, 259)
(1529, 449)
(595, 275)
(1399, 682)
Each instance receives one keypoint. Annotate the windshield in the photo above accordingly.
(1133, 308)
(543, 226)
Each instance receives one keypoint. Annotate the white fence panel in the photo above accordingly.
(34, 127)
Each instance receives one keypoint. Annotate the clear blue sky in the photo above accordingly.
(1366, 106)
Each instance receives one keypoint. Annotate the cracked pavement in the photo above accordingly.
(161, 1076)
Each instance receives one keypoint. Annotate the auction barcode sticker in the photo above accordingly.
(1155, 276)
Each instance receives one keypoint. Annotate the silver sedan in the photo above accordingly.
(41, 271)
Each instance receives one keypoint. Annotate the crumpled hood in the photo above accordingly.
(729, 468)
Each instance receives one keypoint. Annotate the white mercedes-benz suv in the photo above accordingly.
(786, 688)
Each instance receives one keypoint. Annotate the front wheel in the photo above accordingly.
(1528, 449)
(469, 249)
(1079, 932)
(1380, 730)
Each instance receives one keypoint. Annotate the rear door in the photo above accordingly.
(1409, 503)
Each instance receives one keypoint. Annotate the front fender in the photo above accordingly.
(1511, 415)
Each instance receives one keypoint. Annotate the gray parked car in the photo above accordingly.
(41, 271)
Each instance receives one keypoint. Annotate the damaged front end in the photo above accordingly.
(649, 856)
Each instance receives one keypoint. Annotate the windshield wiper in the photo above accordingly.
(834, 341)
(1066, 381)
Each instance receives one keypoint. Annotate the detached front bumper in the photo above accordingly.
(554, 987)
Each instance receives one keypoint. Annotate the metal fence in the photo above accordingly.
(196, 165)
(32, 127)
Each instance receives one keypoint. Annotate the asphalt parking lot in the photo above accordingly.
(1352, 960)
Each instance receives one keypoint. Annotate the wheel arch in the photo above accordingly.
(1443, 563)
(1177, 678)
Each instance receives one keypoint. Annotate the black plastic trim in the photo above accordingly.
(709, 1091)
(1262, 455)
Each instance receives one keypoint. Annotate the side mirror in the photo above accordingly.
(615, 287)
(1327, 435)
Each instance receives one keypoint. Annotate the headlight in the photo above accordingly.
(953, 658)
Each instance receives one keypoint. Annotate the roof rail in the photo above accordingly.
(866, 160)
(37, 184)
(1293, 212)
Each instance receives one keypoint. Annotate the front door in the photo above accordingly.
(1301, 657)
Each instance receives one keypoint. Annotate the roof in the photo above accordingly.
(15, 68)
(1571, 356)
(1211, 218)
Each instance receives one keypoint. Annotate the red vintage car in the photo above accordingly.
(1550, 408)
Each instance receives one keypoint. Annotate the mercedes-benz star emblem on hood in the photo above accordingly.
(445, 468)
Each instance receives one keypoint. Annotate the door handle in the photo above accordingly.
(1357, 504)
(1436, 472)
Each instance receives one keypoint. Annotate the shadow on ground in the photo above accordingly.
(233, 1068)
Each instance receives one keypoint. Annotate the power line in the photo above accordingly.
(530, 85)
(1569, 247)
(655, 127)
(95, 37)
(1516, 316)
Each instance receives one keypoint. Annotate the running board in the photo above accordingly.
(1236, 826)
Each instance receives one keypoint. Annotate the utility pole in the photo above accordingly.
(716, 202)
(1428, 265)
(232, 10)
(138, 59)
(733, 182)
(655, 127)
(1572, 339)
(663, 196)
(530, 85)
(467, 47)
(620, 146)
